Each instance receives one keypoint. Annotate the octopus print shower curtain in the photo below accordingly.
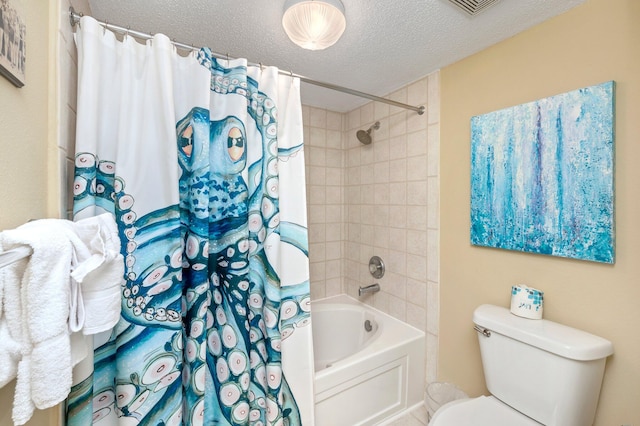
(200, 161)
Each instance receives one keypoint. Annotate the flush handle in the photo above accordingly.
(483, 331)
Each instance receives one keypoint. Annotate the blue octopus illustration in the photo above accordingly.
(203, 311)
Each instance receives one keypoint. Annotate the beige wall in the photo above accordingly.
(593, 43)
(23, 127)
(24, 130)
(37, 126)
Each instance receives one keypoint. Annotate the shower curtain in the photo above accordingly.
(201, 163)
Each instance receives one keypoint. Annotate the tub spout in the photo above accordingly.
(369, 289)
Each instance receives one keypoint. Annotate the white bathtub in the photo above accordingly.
(364, 377)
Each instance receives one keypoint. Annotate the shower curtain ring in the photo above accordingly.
(227, 58)
(260, 63)
(106, 26)
(126, 34)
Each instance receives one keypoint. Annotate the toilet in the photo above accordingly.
(537, 371)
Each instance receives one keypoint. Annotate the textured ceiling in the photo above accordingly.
(386, 44)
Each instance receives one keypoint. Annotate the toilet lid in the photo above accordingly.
(481, 411)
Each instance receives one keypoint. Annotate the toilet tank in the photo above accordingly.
(548, 371)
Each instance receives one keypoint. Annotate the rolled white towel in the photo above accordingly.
(100, 272)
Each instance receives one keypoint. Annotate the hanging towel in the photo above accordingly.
(10, 314)
(99, 271)
(44, 370)
(70, 283)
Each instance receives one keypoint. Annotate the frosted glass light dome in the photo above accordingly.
(314, 24)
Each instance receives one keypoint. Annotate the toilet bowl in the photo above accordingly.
(538, 373)
(481, 411)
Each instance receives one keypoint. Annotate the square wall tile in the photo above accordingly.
(433, 150)
(399, 95)
(417, 143)
(417, 217)
(334, 121)
(433, 307)
(353, 119)
(398, 147)
(367, 114)
(380, 110)
(398, 124)
(417, 294)
(318, 118)
(416, 316)
(417, 168)
(417, 92)
(317, 137)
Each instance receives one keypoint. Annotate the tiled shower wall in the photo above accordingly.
(324, 159)
(380, 199)
(67, 83)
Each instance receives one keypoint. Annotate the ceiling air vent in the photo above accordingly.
(473, 7)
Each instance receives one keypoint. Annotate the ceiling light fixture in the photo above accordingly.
(314, 24)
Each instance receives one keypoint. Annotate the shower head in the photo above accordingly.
(364, 136)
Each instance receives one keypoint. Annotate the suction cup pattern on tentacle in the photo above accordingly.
(97, 184)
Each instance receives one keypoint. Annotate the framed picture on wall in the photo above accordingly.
(13, 33)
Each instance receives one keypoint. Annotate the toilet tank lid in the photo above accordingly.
(550, 336)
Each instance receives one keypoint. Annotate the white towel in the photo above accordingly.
(70, 283)
(44, 303)
(100, 271)
(10, 317)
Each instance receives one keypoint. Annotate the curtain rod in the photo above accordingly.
(74, 18)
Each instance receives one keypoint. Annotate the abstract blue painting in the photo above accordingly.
(542, 176)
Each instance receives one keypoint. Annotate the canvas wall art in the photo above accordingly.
(542, 176)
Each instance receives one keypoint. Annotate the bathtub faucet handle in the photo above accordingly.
(369, 289)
